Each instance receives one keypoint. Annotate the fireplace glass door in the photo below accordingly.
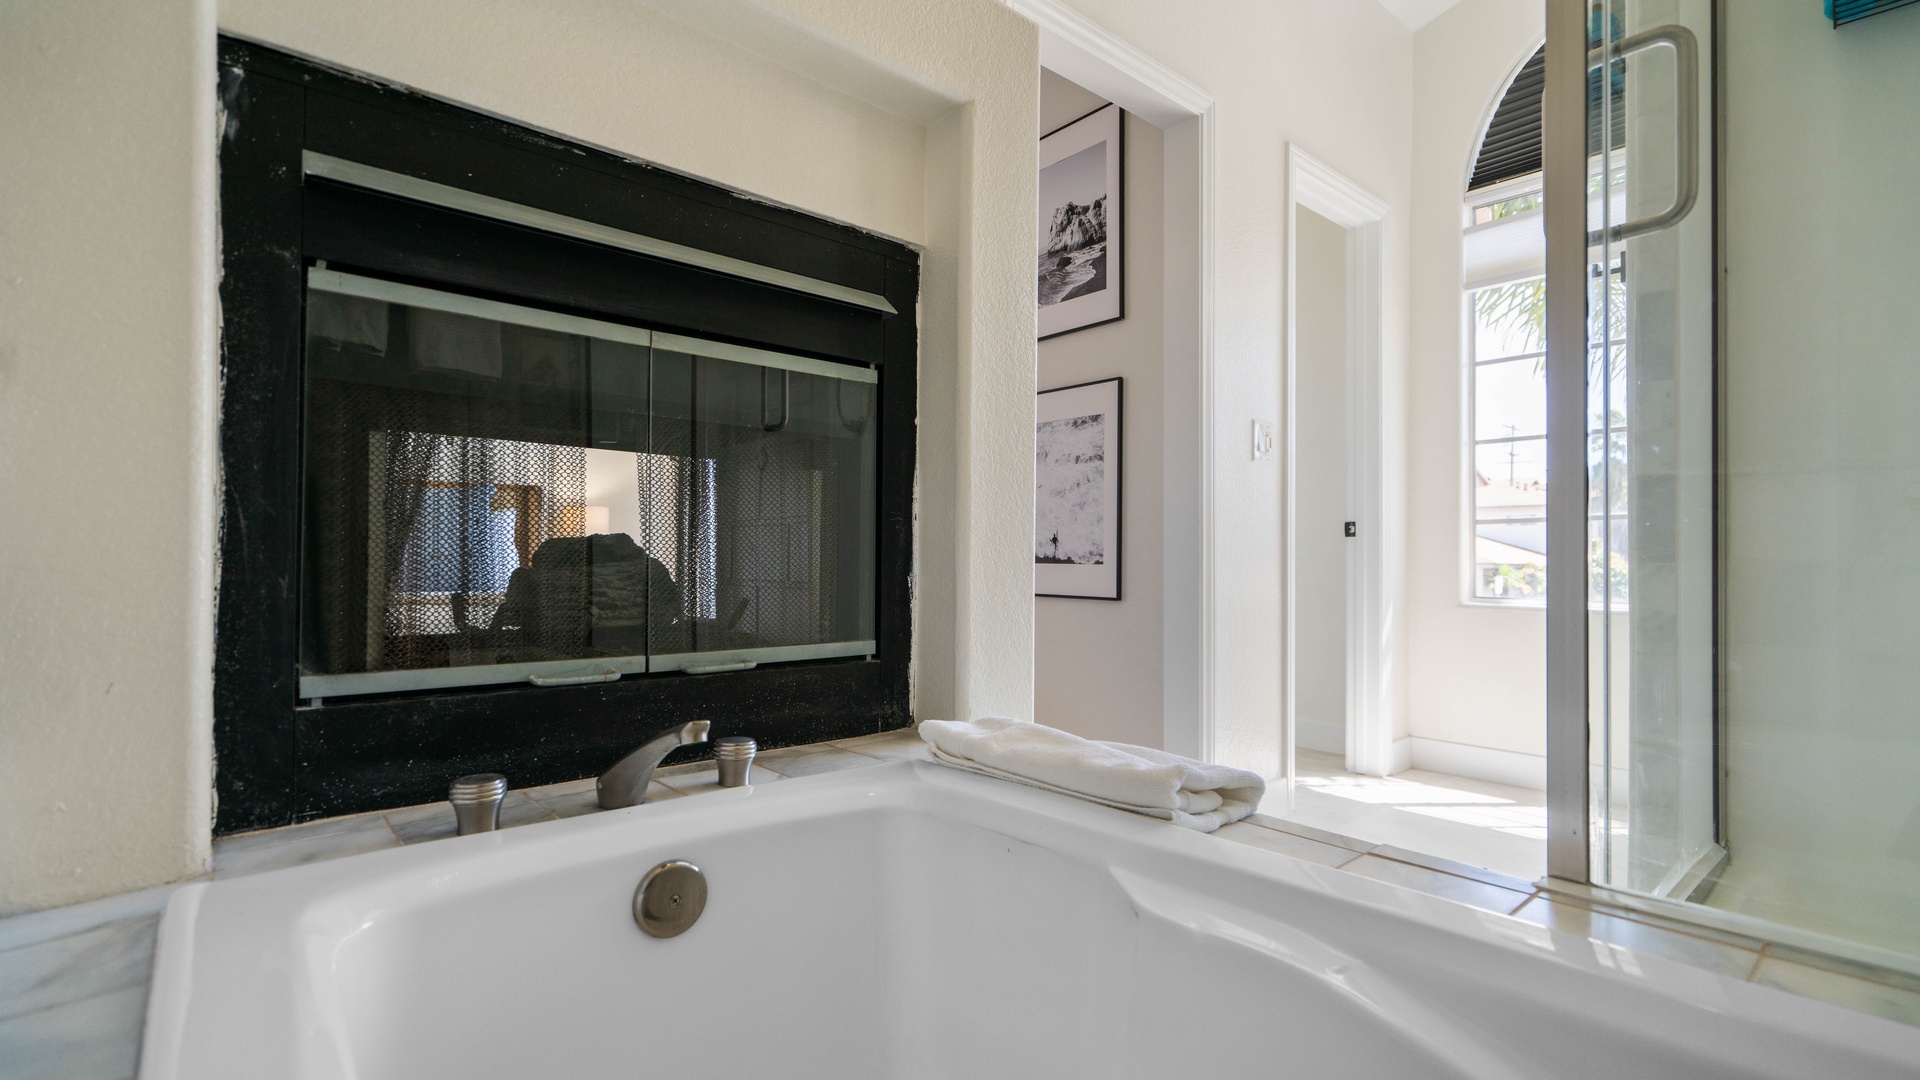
(498, 494)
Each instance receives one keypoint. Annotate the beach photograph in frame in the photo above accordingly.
(1076, 498)
(1081, 212)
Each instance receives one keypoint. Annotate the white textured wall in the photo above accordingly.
(1476, 674)
(631, 80)
(1320, 503)
(912, 120)
(1098, 664)
(107, 497)
(1821, 459)
(1335, 78)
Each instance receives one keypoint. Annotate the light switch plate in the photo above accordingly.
(1262, 439)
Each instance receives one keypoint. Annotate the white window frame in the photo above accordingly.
(1470, 516)
(1471, 443)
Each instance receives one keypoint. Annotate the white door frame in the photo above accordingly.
(1373, 556)
(1074, 46)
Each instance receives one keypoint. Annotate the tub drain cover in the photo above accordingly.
(670, 898)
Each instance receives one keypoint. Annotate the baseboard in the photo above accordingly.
(1322, 735)
(1507, 767)
(1400, 759)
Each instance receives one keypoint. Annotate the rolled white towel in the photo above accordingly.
(1189, 793)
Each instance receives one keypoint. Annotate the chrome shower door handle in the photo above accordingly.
(1686, 124)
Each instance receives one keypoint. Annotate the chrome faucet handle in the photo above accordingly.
(626, 783)
(476, 802)
(733, 757)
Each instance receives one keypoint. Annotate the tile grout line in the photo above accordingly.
(1528, 892)
(1248, 820)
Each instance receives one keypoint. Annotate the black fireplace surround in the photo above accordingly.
(530, 452)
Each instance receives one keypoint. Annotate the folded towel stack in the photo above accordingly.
(1188, 793)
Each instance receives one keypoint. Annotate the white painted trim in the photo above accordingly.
(1329, 194)
(1208, 675)
(1372, 561)
(1087, 53)
(1495, 766)
(1509, 767)
(1400, 755)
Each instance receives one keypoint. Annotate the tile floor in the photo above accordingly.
(1470, 821)
(73, 981)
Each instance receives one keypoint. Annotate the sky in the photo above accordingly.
(1079, 178)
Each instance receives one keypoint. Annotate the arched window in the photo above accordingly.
(1504, 262)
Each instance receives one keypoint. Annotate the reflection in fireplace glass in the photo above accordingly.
(496, 493)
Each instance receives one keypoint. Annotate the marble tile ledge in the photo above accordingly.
(73, 981)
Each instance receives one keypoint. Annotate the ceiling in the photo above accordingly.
(1417, 13)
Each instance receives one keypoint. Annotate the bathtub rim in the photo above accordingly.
(326, 889)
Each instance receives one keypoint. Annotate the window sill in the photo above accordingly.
(1532, 605)
(1504, 605)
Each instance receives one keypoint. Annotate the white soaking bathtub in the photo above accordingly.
(909, 921)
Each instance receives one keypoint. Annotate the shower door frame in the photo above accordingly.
(1564, 168)
(1565, 115)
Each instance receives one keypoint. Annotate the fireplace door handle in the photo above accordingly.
(786, 399)
(711, 669)
(572, 680)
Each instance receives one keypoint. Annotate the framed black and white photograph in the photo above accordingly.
(1080, 275)
(1076, 504)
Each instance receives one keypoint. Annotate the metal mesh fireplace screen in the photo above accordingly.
(457, 523)
(771, 480)
(499, 494)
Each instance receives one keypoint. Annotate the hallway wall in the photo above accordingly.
(1097, 667)
(1336, 78)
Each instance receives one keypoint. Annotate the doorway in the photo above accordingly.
(1341, 556)
(1321, 509)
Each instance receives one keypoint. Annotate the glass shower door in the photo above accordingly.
(1640, 608)
(1650, 448)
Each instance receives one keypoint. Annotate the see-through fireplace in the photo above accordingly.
(531, 452)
